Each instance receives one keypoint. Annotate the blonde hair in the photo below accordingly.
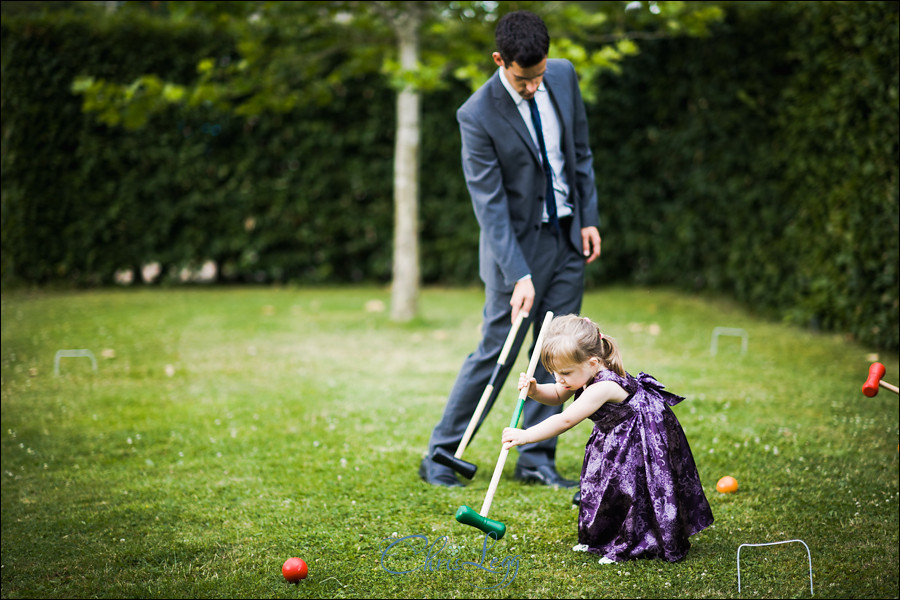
(572, 340)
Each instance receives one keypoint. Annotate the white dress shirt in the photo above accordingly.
(552, 139)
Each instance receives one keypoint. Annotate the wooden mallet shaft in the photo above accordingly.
(455, 462)
(466, 515)
(876, 372)
(501, 361)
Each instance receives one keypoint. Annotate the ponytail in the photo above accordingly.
(571, 339)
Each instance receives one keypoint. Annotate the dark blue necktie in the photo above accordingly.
(550, 198)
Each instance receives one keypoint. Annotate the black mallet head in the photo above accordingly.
(442, 457)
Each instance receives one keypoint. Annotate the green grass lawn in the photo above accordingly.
(226, 430)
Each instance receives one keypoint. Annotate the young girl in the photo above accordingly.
(640, 491)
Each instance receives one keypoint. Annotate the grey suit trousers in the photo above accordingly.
(558, 278)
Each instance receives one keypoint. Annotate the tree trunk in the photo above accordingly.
(405, 286)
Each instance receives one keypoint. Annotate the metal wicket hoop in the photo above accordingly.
(808, 555)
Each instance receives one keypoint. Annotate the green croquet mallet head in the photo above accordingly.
(468, 516)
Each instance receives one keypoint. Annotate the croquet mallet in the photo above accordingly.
(876, 372)
(467, 515)
(455, 461)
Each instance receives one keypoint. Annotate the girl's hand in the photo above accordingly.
(513, 437)
(531, 384)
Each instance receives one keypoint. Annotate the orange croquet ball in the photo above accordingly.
(727, 485)
(294, 569)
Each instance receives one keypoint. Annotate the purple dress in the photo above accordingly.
(640, 491)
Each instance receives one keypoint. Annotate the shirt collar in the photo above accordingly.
(512, 92)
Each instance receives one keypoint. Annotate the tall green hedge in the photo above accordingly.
(763, 162)
(760, 162)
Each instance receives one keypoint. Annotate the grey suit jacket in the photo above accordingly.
(503, 172)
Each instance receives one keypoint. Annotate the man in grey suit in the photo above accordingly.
(531, 180)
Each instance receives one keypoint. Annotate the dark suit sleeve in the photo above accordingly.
(484, 180)
(585, 185)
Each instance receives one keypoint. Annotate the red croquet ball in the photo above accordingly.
(294, 569)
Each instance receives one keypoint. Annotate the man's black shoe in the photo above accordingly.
(545, 474)
(438, 475)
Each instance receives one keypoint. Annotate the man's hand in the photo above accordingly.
(522, 298)
(590, 241)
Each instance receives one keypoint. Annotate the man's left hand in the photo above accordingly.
(590, 240)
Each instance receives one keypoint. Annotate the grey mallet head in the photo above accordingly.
(468, 516)
(442, 457)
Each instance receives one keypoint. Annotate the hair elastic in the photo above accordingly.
(600, 333)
